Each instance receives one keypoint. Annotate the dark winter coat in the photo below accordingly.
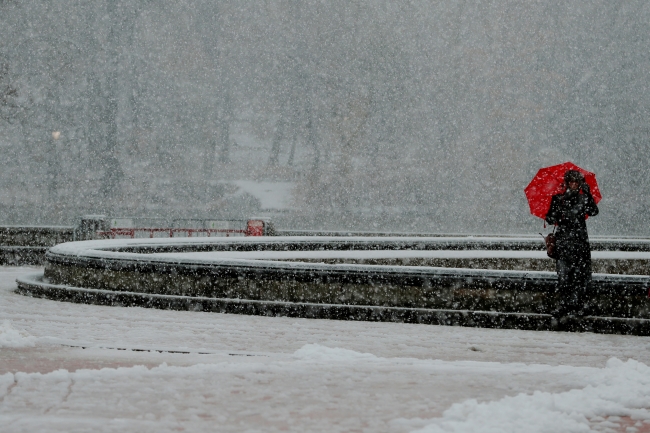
(568, 211)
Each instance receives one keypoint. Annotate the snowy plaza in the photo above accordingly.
(71, 367)
(324, 216)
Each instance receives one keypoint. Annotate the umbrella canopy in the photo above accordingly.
(550, 181)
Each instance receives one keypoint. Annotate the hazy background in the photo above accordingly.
(343, 114)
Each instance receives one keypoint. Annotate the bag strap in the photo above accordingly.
(554, 227)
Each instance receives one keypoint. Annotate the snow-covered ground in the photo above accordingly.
(61, 369)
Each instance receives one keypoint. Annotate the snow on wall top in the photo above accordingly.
(396, 254)
(105, 249)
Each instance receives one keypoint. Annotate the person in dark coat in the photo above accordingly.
(568, 211)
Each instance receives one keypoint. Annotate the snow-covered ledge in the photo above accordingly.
(336, 271)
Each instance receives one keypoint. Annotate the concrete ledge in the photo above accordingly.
(395, 286)
(205, 268)
(35, 236)
(269, 276)
(27, 245)
(34, 285)
(16, 256)
(333, 286)
(604, 266)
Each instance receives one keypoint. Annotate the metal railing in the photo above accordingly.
(113, 233)
(132, 228)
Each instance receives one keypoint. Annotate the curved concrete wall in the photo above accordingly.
(33, 285)
(138, 266)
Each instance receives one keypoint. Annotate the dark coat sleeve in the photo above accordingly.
(554, 213)
(590, 205)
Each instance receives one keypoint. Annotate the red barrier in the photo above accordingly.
(255, 228)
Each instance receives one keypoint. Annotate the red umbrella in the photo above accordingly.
(550, 181)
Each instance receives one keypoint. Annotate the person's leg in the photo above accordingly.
(571, 281)
(563, 288)
(582, 282)
(573, 291)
